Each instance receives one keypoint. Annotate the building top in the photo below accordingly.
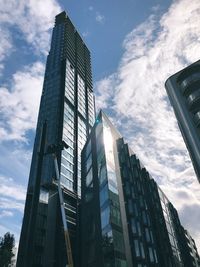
(184, 73)
(60, 18)
(63, 18)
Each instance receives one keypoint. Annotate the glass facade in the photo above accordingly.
(67, 110)
(143, 244)
(106, 189)
(170, 228)
(127, 219)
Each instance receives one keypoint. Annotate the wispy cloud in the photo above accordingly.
(33, 18)
(91, 8)
(19, 103)
(100, 18)
(9, 188)
(10, 204)
(137, 100)
(6, 213)
(12, 197)
(6, 46)
(86, 34)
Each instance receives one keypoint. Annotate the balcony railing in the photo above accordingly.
(189, 81)
(194, 99)
(197, 119)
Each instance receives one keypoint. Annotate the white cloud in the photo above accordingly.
(6, 213)
(100, 18)
(154, 50)
(9, 188)
(6, 46)
(106, 92)
(12, 197)
(10, 204)
(19, 104)
(86, 34)
(33, 18)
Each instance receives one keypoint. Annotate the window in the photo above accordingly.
(155, 254)
(89, 177)
(130, 206)
(127, 189)
(88, 149)
(105, 217)
(103, 195)
(44, 196)
(142, 250)
(115, 215)
(89, 162)
(147, 235)
(139, 229)
(151, 255)
(118, 241)
(102, 171)
(144, 218)
(135, 209)
(133, 226)
(137, 249)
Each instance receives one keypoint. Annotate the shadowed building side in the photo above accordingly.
(183, 89)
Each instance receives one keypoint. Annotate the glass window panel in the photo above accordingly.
(133, 226)
(44, 196)
(147, 235)
(155, 255)
(139, 229)
(88, 162)
(130, 206)
(137, 249)
(88, 149)
(115, 215)
(102, 171)
(89, 177)
(105, 217)
(118, 241)
(151, 257)
(104, 195)
(142, 250)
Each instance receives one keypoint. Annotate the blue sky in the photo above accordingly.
(135, 46)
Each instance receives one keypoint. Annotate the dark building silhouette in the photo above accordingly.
(183, 89)
(186, 243)
(127, 220)
(66, 113)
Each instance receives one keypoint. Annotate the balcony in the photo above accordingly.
(197, 119)
(194, 99)
(189, 84)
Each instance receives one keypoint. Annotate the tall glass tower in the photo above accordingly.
(66, 113)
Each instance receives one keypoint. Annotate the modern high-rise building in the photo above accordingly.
(127, 220)
(183, 89)
(66, 113)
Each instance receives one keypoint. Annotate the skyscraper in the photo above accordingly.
(127, 221)
(66, 113)
(183, 89)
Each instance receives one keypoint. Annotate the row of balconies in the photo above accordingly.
(190, 88)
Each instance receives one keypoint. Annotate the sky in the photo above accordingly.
(135, 46)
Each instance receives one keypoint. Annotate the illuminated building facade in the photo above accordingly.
(127, 220)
